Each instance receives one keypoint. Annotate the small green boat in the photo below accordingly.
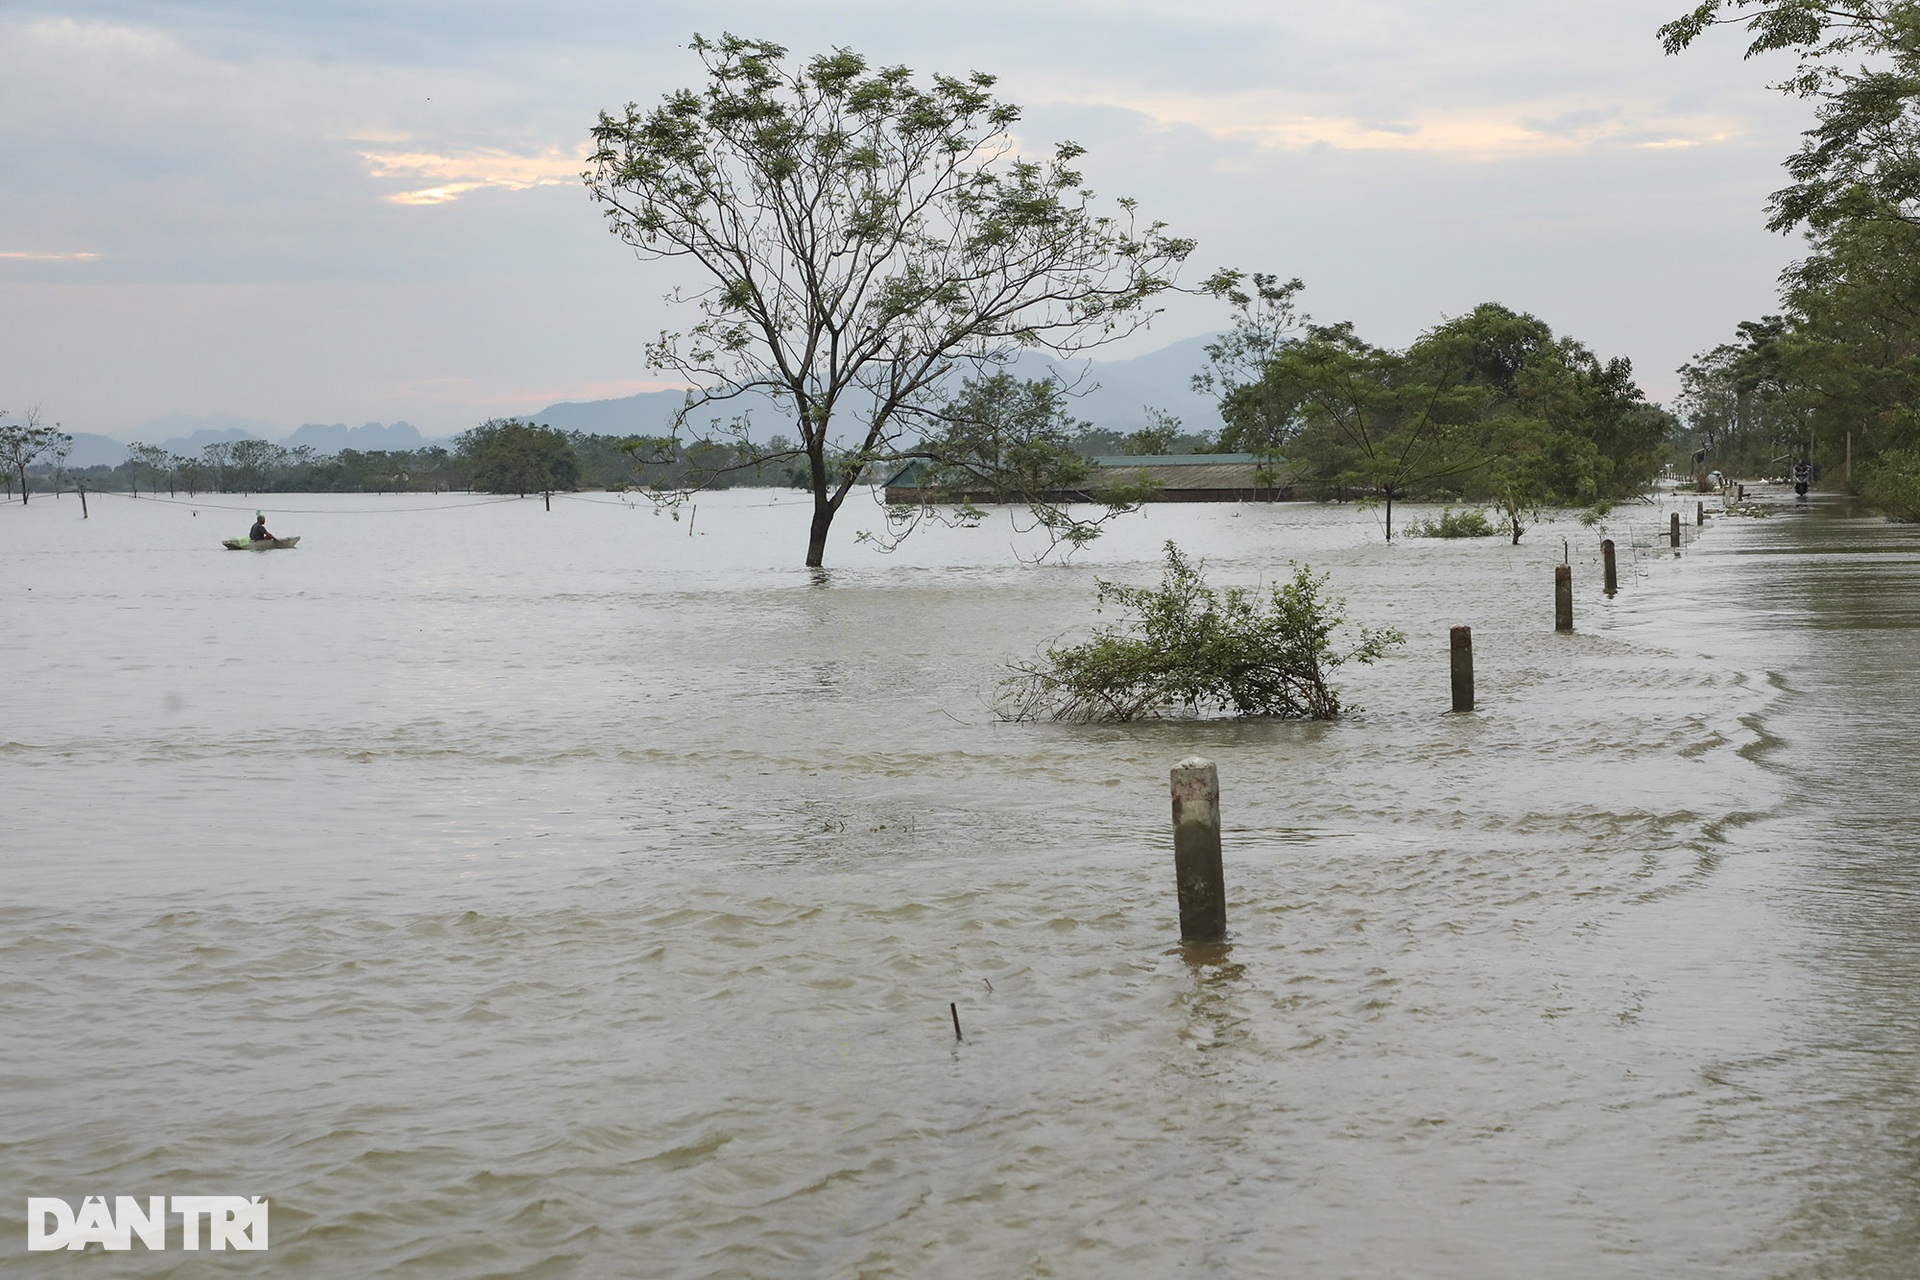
(263, 544)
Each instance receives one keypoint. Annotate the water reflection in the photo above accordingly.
(1213, 1001)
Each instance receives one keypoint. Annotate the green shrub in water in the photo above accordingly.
(1892, 483)
(1182, 646)
(1453, 524)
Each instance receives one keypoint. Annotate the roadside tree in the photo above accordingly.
(1860, 59)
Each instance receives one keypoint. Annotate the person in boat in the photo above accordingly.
(259, 531)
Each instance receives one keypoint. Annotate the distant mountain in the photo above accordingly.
(367, 438)
(1112, 394)
(1115, 394)
(185, 434)
(647, 413)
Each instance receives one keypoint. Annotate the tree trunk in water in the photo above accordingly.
(23, 484)
(817, 535)
(1389, 515)
(823, 507)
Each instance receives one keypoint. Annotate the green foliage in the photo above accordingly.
(1376, 421)
(1860, 61)
(510, 456)
(862, 234)
(1892, 483)
(28, 442)
(1182, 646)
(1002, 440)
(1260, 413)
(1003, 436)
(1155, 438)
(1491, 406)
(1453, 524)
(1837, 373)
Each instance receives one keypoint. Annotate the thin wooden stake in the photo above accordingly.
(954, 1009)
(1460, 642)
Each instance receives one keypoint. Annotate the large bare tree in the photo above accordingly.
(862, 236)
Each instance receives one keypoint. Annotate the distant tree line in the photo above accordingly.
(499, 456)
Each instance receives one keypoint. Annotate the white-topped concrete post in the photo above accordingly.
(1196, 851)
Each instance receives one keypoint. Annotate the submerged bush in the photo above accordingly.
(1454, 524)
(1182, 646)
(1892, 483)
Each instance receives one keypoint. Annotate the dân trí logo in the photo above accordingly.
(232, 1222)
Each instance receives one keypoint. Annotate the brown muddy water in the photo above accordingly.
(504, 892)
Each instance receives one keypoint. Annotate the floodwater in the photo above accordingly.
(510, 892)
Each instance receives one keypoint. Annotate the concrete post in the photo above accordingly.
(1563, 597)
(1462, 644)
(1609, 569)
(1673, 530)
(1699, 514)
(1196, 851)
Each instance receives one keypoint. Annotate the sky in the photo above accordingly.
(370, 210)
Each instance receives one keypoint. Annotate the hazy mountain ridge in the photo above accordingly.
(1113, 394)
(1110, 393)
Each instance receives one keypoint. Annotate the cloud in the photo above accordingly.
(23, 256)
(95, 38)
(1288, 122)
(457, 174)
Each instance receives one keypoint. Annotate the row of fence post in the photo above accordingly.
(1199, 870)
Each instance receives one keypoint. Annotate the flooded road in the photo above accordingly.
(505, 892)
